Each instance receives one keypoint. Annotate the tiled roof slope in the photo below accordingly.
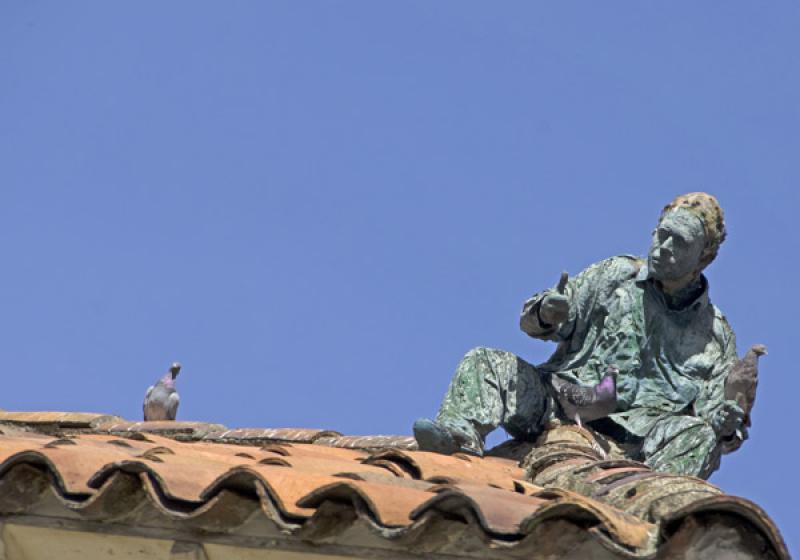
(312, 486)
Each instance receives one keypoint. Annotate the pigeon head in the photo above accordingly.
(759, 349)
(175, 369)
(609, 381)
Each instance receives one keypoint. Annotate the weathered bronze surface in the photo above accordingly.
(652, 319)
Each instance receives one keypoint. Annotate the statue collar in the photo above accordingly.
(700, 302)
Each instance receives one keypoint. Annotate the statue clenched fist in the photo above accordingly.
(554, 308)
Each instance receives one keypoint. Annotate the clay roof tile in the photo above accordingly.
(215, 480)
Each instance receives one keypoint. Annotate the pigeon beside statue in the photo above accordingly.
(743, 380)
(162, 399)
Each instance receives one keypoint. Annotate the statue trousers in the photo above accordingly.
(493, 388)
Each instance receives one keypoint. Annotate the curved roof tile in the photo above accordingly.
(317, 491)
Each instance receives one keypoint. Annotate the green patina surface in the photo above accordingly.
(673, 363)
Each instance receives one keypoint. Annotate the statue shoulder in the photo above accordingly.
(722, 328)
(622, 267)
(723, 333)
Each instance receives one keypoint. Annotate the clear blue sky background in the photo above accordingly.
(319, 207)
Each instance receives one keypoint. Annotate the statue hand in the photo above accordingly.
(727, 418)
(554, 308)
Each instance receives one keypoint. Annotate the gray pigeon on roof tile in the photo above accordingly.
(743, 380)
(588, 403)
(161, 400)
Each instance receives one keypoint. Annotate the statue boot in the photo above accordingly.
(433, 436)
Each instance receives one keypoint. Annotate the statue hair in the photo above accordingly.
(705, 207)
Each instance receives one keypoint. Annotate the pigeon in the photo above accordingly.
(588, 403)
(161, 400)
(743, 380)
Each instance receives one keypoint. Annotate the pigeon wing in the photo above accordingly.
(576, 395)
(172, 406)
(750, 390)
(741, 383)
(735, 381)
(147, 398)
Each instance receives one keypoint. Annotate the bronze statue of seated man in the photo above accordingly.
(652, 321)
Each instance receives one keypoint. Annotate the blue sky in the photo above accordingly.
(320, 207)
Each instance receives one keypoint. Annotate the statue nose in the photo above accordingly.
(666, 247)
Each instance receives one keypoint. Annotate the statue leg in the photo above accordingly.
(491, 388)
(682, 445)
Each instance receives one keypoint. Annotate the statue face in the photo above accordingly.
(678, 243)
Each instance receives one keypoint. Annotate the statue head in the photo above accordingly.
(688, 236)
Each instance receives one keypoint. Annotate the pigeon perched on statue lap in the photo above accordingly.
(162, 399)
(584, 404)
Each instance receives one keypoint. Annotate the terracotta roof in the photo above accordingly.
(317, 486)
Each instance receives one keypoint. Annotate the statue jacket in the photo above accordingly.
(671, 361)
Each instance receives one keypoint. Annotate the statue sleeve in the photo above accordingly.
(582, 292)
